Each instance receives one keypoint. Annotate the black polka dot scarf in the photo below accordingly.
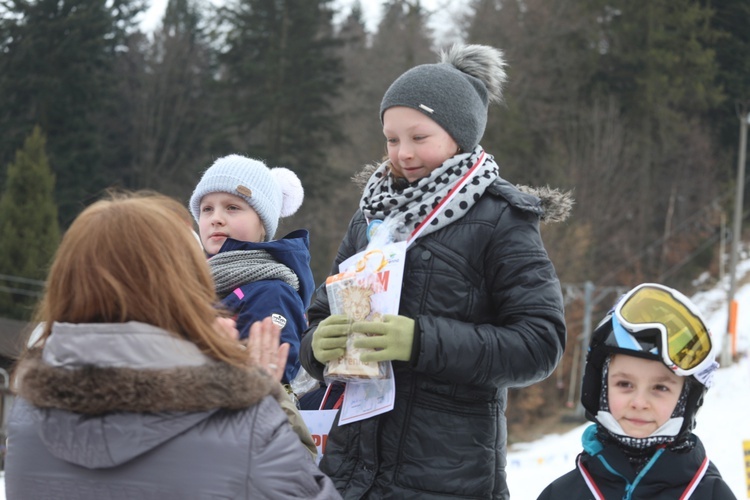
(411, 203)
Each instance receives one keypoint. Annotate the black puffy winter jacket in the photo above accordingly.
(488, 313)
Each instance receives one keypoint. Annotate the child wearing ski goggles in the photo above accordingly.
(649, 365)
(683, 340)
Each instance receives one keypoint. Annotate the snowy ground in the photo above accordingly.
(722, 424)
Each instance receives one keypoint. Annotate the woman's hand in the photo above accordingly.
(264, 349)
(227, 327)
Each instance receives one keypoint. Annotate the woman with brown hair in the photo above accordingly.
(135, 388)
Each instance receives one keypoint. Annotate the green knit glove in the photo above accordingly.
(393, 337)
(329, 339)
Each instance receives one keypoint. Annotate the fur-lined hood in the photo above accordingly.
(99, 400)
(106, 376)
(553, 204)
(93, 390)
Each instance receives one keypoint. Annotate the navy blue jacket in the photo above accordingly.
(257, 300)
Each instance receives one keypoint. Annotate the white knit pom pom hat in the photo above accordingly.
(272, 192)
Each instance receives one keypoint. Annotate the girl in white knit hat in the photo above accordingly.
(237, 204)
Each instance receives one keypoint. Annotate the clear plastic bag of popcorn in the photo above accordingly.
(368, 288)
(351, 296)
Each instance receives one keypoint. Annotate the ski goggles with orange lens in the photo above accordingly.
(684, 342)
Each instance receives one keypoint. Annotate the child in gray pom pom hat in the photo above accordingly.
(237, 204)
(481, 308)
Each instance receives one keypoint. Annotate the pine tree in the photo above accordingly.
(657, 61)
(28, 223)
(280, 74)
(403, 41)
(658, 54)
(56, 59)
(730, 18)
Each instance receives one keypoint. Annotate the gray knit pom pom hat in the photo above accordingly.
(455, 92)
(271, 192)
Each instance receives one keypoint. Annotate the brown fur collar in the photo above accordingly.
(93, 390)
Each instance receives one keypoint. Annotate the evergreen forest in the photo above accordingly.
(632, 105)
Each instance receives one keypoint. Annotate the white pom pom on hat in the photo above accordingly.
(273, 193)
(291, 188)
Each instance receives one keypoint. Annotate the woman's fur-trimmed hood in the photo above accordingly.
(94, 390)
(100, 395)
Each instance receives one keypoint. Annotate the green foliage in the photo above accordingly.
(657, 61)
(28, 222)
(609, 98)
(281, 76)
(658, 54)
(56, 60)
(548, 49)
(730, 19)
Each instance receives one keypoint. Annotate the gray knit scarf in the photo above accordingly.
(410, 203)
(240, 267)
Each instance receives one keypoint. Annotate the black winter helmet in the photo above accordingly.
(652, 323)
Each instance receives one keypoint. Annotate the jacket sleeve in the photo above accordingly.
(569, 485)
(525, 339)
(264, 298)
(319, 308)
(713, 486)
(280, 466)
(298, 426)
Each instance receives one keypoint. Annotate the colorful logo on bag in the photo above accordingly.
(372, 228)
(373, 260)
(279, 320)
